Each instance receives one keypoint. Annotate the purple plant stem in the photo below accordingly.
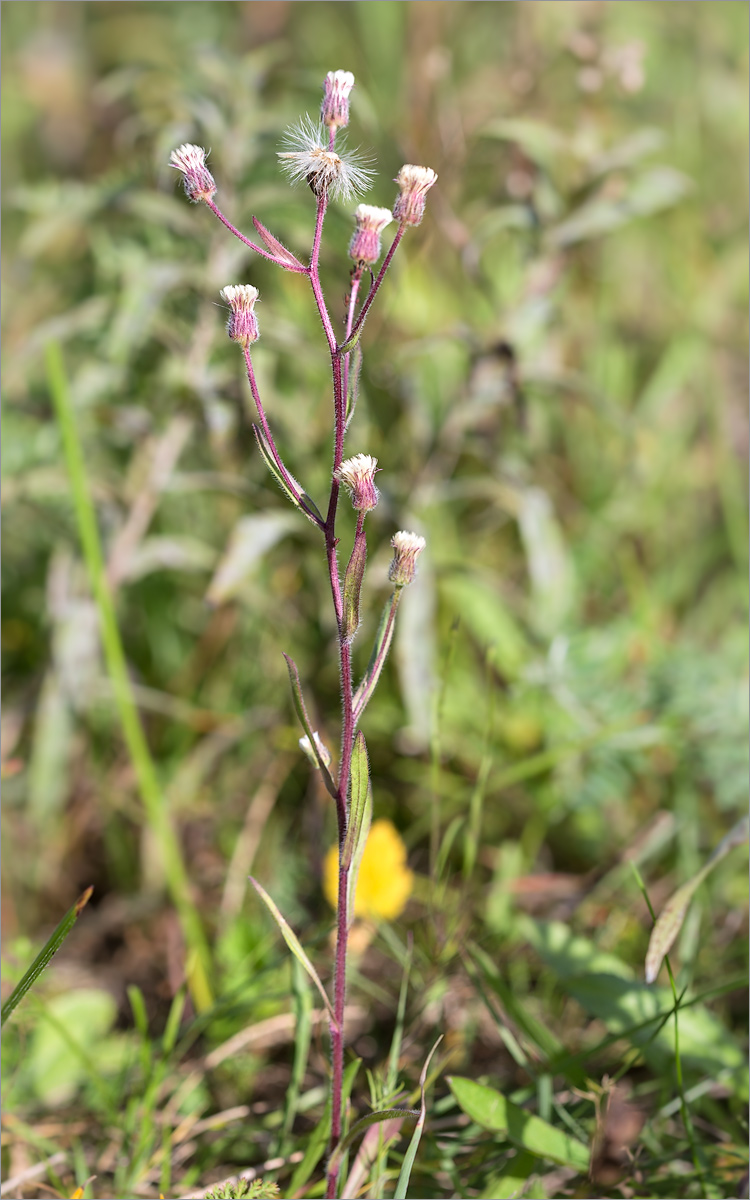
(263, 253)
(380, 277)
(315, 276)
(356, 280)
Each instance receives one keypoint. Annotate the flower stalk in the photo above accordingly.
(311, 155)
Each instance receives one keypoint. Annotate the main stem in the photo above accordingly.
(348, 727)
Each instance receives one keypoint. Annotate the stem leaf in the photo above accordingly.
(299, 705)
(360, 816)
(293, 943)
(284, 257)
(381, 646)
(355, 573)
(375, 1118)
(45, 954)
(299, 499)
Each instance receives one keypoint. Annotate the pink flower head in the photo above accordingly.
(414, 183)
(242, 325)
(198, 180)
(334, 111)
(365, 244)
(407, 549)
(358, 477)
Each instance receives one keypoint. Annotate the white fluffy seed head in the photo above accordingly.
(306, 157)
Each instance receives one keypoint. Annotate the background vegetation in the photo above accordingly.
(554, 383)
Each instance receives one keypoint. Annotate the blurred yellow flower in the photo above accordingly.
(385, 882)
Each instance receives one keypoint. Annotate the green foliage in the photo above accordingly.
(244, 1190)
(554, 385)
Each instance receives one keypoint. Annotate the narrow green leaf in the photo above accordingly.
(360, 819)
(381, 646)
(375, 1118)
(45, 954)
(348, 346)
(416, 1137)
(299, 498)
(355, 573)
(670, 919)
(299, 705)
(492, 1111)
(292, 942)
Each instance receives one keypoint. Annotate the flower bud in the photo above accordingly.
(358, 477)
(407, 548)
(242, 325)
(334, 111)
(414, 183)
(365, 244)
(198, 180)
(322, 749)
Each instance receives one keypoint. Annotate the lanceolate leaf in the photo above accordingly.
(355, 573)
(288, 485)
(284, 256)
(360, 808)
(492, 1111)
(299, 704)
(672, 915)
(43, 957)
(292, 942)
(385, 1114)
(383, 639)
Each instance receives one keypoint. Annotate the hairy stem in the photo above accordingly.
(258, 249)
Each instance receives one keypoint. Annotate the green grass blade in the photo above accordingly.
(45, 955)
(178, 882)
(408, 1163)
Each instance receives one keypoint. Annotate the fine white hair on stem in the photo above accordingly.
(306, 157)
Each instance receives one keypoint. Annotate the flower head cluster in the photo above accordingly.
(414, 183)
(358, 477)
(198, 180)
(334, 111)
(384, 883)
(307, 157)
(365, 244)
(407, 549)
(242, 325)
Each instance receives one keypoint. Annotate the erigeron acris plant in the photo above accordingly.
(311, 155)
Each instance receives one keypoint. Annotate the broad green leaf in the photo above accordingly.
(63, 1052)
(512, 1181)
(299, 704)
(416, 1137)
(670, 919)
(355, 573)
(45, 954)
(292, 942)
(492, 1111)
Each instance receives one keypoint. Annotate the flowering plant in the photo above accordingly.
(313, 154)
